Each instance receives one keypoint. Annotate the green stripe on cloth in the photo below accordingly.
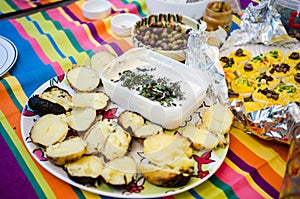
(68, 33)
(12, 95)
(226, 189)
(139, 7)
(7, 7)
(78, 192)
(24, 160)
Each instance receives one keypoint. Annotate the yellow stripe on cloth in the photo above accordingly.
(209, 190)
(26, 157)
(45, 44)
(6, 8)
(16, 89)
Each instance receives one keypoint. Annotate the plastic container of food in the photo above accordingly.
(290, 16)
(158, 24)
(144, 62)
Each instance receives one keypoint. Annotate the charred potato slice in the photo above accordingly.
(120, 171)
(166, 149)
(66, 151)
(96, 100)
(80, 119)
(49, 129)
(131, 121)
(83, 79)
(58, 95)
(86, 170)
(218, 118)
(147, 130)
(42, 106)
(201, 137)
(53, 100)
(163, 176)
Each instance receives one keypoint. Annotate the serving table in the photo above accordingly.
(49, 42)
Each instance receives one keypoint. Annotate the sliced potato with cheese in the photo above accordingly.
(163, 176)
(131, 121)
(120, 171)
(83, 79)
(80, 119)
(147, 130)
(201, 138)
(87, 170)
(96, 100)
(117, 144)
(101, 59)
(108, 138)
(218, 118)
(165, 149)
(49, 129)
(66, 151)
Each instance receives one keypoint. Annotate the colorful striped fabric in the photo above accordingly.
(49, 43)
(10, 6)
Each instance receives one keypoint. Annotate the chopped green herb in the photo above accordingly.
(161, 90)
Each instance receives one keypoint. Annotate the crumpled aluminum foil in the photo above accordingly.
(260, 24)
(273, 123)
(204, 58)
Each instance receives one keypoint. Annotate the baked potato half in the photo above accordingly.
(87, 170)
(120, 171)
(108, 138)
(163, 176)
(83, 79)
(49, 129)
(66, 151)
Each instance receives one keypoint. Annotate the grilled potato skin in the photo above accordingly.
(42, 106)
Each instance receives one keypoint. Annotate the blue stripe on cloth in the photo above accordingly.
(29, 76)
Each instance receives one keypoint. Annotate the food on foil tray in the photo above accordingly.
(271, 77)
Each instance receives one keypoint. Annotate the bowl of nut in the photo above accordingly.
(166, 34)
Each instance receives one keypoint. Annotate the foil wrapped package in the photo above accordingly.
(205, 59)
(260, 24)
(273, 123)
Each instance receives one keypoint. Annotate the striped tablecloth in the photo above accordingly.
(48, 44)
(10, 6)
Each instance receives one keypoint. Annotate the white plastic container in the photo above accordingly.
(192, 84)
(122, 24)
(96, 9)
(194, 10)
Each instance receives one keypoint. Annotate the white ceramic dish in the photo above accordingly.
(9, 54)
(96, 9)
(191, 81)
(185, 21)
(194, 10)
(122, 24)
(140, 188)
